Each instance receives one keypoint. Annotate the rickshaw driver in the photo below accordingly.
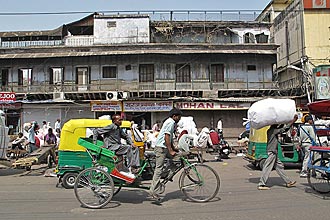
(112, 135)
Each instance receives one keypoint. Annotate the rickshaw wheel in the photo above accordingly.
(94, 188)
(318, 179)
(199, 183)
(161, 188)
(68, 180)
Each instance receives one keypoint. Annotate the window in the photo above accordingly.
(249, 38)
(182, 73)
(217, 73)
(261, 38)
(24, 77)
(4, 77)
(109, 72)
(82, 76)
(251, 67)
(111, 24)
(146, 73)
(56, 76)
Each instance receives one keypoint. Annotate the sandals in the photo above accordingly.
(291, 184)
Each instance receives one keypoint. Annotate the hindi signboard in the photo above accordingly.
(147, 106)
(105, 106)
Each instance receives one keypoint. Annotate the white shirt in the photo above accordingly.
(219, 126)
(57, 125)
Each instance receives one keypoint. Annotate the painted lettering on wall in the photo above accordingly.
(212, 105)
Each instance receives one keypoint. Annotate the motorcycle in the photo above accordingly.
(218, 145)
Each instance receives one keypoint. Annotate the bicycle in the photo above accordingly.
(95, 186)
(318, 172)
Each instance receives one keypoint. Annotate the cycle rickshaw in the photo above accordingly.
(319, 162)
(95, 186)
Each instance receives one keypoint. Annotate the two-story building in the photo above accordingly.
(301, 29)
(139, 66)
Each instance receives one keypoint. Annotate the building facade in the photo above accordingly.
(301, 30)
(139, 67)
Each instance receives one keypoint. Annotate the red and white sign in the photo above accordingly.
(319, 4)
(7, 96)
(310, 4)
(212, 105)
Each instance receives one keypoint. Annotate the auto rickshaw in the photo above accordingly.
(72, 157)
(257, 148)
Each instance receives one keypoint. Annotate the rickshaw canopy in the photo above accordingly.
(76, 128)
(319, 108)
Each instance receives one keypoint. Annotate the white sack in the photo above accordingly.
(271, 111)
(187, 123)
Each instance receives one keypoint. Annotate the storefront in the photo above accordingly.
(207, 114)
(143, 113)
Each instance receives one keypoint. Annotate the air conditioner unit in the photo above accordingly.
(58, 95)
(116, 95)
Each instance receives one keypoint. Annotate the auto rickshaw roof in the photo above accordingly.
(73, 124)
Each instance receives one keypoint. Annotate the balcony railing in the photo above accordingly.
(133, 86)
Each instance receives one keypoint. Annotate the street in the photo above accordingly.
(31, 195)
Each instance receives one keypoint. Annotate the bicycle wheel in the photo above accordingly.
(94, 188)
(318, 179)
(199, 183)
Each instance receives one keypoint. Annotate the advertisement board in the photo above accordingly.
(7, 96)
(322, 82)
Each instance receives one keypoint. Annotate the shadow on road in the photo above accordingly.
(10, 171)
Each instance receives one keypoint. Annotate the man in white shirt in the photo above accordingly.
(57, 124)
(219, 126)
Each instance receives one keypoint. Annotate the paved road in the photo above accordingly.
(30, 195)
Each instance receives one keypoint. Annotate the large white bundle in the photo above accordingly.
(187, 123)
(271, 111)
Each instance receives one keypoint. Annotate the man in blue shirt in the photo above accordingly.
(164, 148)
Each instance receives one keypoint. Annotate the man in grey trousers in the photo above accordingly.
(273, 161)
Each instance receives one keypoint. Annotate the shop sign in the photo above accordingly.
(10, 105)
(147, 106)
(103, 106)
(212, 105)
(7, 96)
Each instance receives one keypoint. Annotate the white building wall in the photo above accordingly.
(122, 30)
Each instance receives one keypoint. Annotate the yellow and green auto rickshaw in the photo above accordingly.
(72, 157)
(257, 148)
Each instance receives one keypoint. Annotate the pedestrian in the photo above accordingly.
(32, 136)
(112, 135)
(272, 160)
(156, 127)
(307, 139)
(50, 137)
(57, 124)
(164, 148)
(44, 127)
(219, 126)
(19, 142)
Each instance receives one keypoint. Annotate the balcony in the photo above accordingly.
(78, 41)
(155, 89)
